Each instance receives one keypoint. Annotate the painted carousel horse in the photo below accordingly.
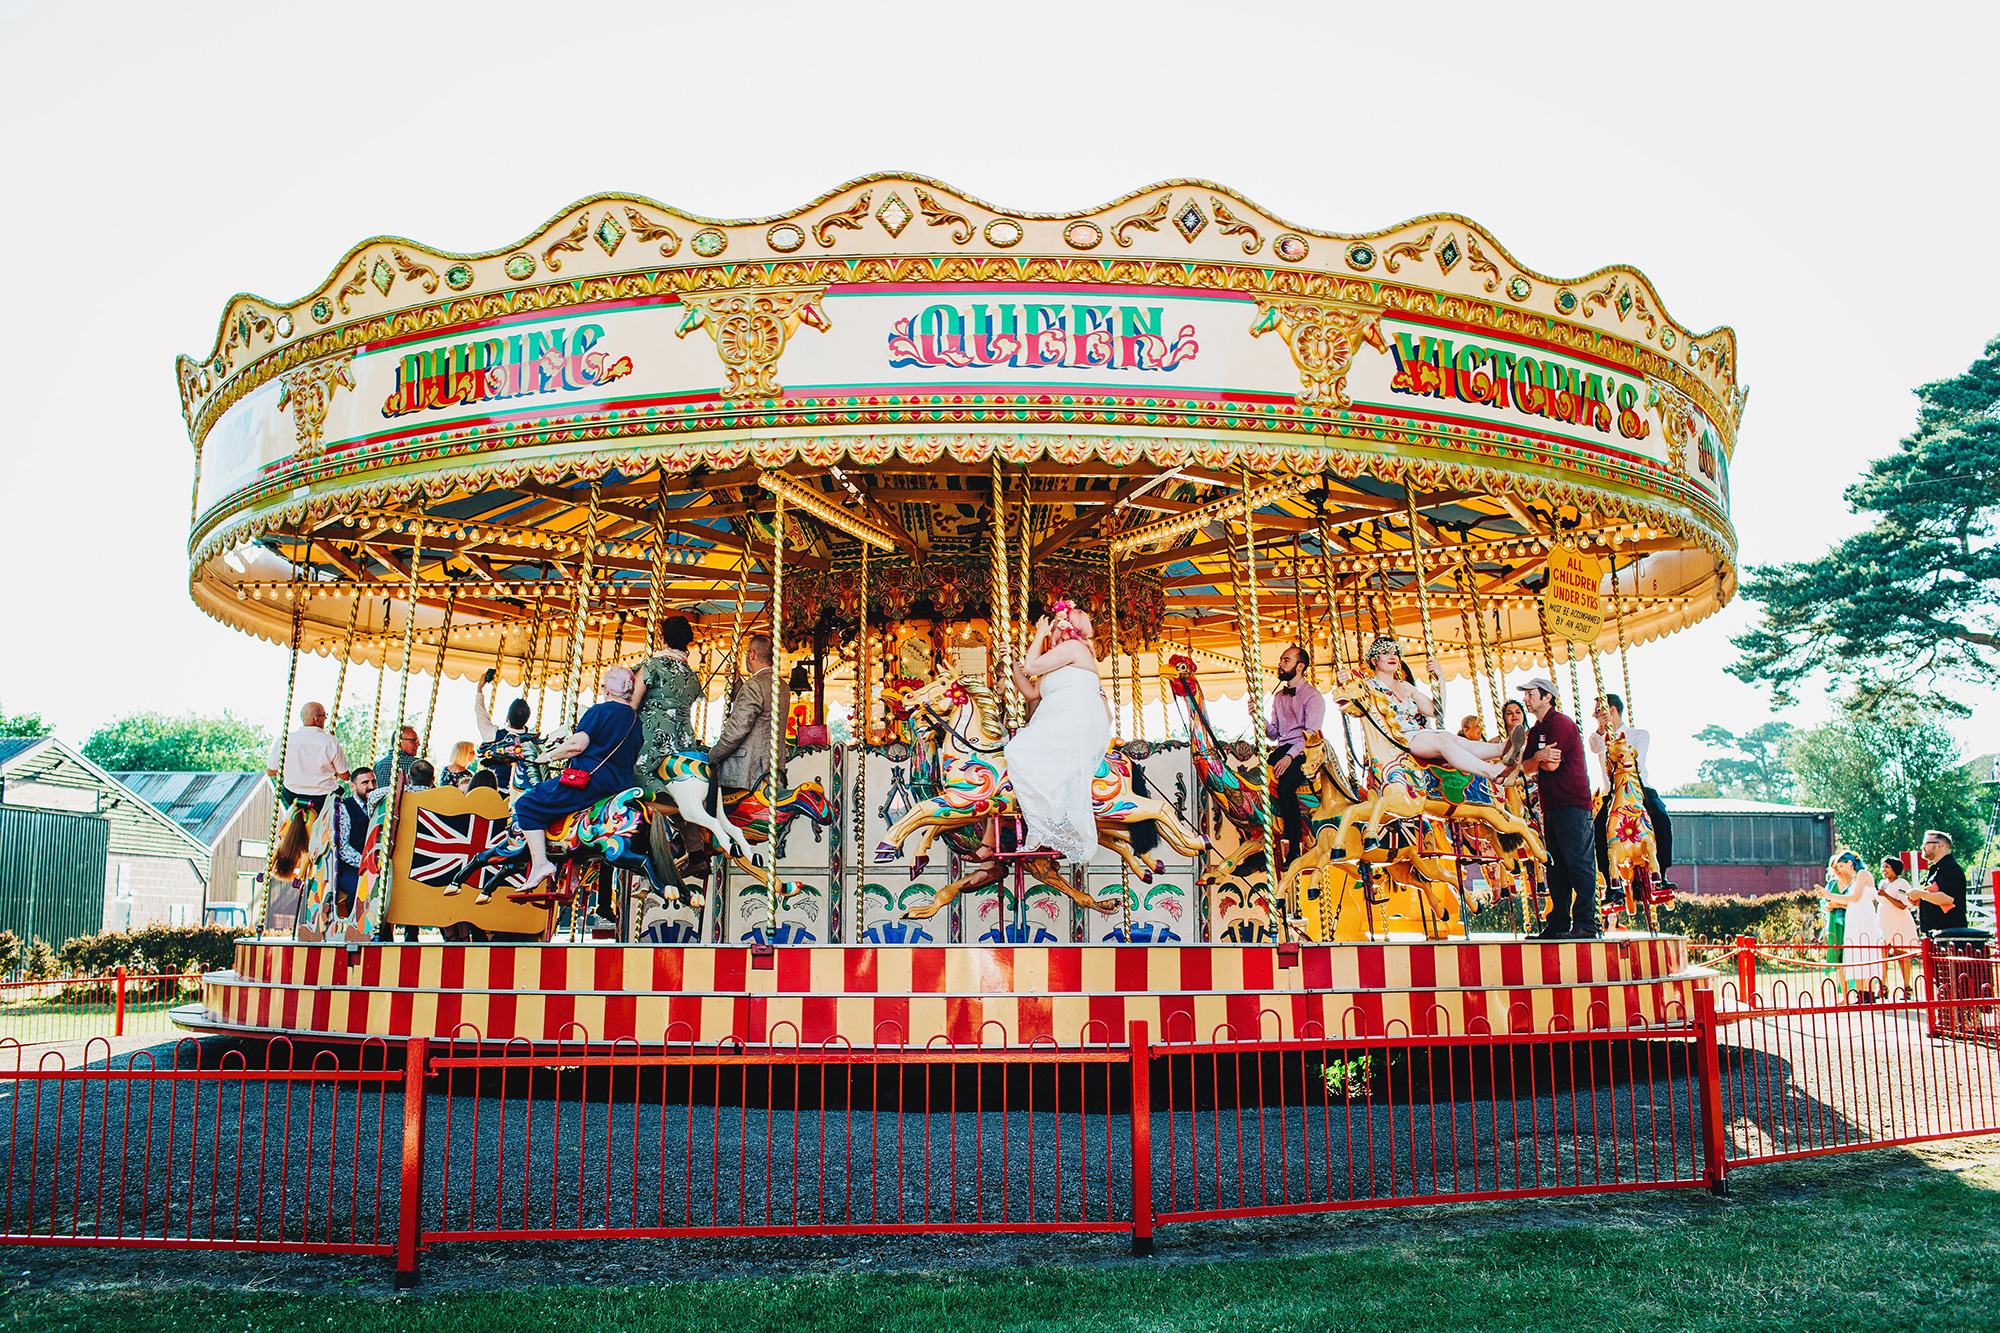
(973, 788)
(612, 830)
(618, 830)
(524, 753)
(1324, 798)
(1235, 791)
(745, 818)
(1404, 786)
(1628, 830)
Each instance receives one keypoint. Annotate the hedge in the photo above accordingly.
(155, 949)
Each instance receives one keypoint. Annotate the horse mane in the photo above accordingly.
(988, 706)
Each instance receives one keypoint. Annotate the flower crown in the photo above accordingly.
(1065, 628)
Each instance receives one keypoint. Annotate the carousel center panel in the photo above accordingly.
(890, 995)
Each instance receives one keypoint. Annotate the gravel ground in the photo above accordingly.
(304, 1161)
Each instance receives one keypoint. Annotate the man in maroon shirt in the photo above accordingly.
(1555, 755)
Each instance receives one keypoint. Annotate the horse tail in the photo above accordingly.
(292, 845)
(1145, 836)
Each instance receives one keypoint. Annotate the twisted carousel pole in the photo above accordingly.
(1253, 678)
(1424, 598)
(284, 745)
(346, 652)
(1000, 620)
(572, 692)
(387, 855)
(1618, 618)
(777, 665)
(381, 674)
(1117, 715)
(858, 742)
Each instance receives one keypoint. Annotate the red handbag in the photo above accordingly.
(572, 776)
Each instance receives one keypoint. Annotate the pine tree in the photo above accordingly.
(1916, 597)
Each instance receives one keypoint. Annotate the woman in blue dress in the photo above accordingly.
(605, 744)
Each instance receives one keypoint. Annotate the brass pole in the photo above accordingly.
(346, 651)
(1253, 677)
(777, 666)
(858, 741)
(572, 694)
(387, 855)
(437, 672)
(284, 745)
(1000, 617)
(1424, 599)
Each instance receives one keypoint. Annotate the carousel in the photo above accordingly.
(886, 435)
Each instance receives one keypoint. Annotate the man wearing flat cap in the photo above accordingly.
(1941, 900)
(1555, 756)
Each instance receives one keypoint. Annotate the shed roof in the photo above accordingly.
(203, 803)
(1711, 805)
(137, 829)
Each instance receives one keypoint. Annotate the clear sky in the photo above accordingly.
(1819, 177)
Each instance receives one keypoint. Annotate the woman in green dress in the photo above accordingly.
(667, 690)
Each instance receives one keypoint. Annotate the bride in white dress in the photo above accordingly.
(1052, 760)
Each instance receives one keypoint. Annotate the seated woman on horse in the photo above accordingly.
(667, 689)
(603, 748)
(1390, 699)
(1053, 760)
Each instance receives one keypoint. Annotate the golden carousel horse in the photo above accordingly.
(1628, 831)
(1404, 786)
(973, 788)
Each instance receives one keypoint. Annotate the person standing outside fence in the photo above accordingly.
(1941, 900)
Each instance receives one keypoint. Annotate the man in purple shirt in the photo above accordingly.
(1296, 708)
(1555, 755)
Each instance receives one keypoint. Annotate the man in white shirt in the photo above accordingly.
(1610, 717)
(313, 760)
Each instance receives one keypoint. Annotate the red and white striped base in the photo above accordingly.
(892, 995)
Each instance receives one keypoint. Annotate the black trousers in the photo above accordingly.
(1572, 869)
(1290, 813)
(1663, 833)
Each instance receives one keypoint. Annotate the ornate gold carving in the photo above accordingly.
(413, 271)
(309, 391)
(1149, 220)
(1678, 422)
(1600, 297)
(1393, 257)
(649, 231)
(936, 215)
(750, 331)
(848, 219)
(1323, 339)
(1480, 263)
(1233, 226)
(354, 286)
(573, 241)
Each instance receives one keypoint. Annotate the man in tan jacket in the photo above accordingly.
(741, 756)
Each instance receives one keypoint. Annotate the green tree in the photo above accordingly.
(1916, 597)
(1888, 773)
(1752, 766)
(353, 729)
(23, 724)
(160, 743)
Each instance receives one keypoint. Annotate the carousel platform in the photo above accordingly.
(869, 996)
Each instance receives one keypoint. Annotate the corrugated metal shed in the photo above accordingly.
(52, 867)
(46, 774)
(1748, 833)
(202, 803)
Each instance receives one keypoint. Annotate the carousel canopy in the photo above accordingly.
(1175, 391)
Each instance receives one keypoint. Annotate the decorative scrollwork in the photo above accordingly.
(573, 241)
(649, 231)
(1393, 257)
(849, 219)
(1149, 220)
(1481, 264)
(308, 392)
(1234, 226)
(1679, 421)
(936, 215)
(1323, 339)
(413, 271)
(750, 331)
(354, 286)
(1600, 297)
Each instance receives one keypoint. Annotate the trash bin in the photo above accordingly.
(1959, 968)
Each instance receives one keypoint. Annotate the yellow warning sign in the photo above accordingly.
(1571, 601)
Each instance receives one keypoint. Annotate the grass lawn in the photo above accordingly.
(1888, 1240)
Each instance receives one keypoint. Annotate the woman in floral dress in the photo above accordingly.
(668, 689)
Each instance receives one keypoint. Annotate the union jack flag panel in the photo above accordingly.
(444, 843)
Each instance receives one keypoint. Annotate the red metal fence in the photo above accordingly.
(75, 1009)
(470, 1141)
